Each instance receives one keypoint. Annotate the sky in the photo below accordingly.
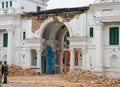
(53, 4)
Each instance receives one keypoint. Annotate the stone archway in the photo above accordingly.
(52, 19)
(53, 32)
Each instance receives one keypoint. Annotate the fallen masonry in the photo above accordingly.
(90, 78)
(83, 78)
(18, 71)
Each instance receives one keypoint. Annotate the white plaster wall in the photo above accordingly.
(29, 6)
(78, 25)
(23, 5)
(11, 20)
(27, 27)
(91, 23)
(1, 39)
(91, 58)
(108, 69)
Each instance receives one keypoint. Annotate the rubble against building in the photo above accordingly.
(90, 78)
(18, 71)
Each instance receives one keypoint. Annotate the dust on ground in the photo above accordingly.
(83, 78)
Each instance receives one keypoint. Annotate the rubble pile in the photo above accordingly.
(90, 78)
(18, 71)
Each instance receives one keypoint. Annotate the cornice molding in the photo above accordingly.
(108, 19)
(102, 6)
(9, 26)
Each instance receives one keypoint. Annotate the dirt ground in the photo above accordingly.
(56, 80)
(82, 78)
(46, 80)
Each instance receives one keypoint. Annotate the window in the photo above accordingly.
(24, 35)
(10, 3)
(6, 4)
(38, 9)
(2, 4)
(5, 39)
(91, 31)
(114, 36)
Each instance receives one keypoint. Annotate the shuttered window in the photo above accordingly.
(5, 39)
(10, 3)
(24, 35)
(114, 36)
(2, 4)
(6, 4)
(91, 31)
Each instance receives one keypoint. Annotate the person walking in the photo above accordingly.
(5, 72)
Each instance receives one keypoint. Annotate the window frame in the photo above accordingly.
(6, 4)
(3, 5)
(11, 3)
(114, 36)
(5, 39)
(91, 32)
(24, 35)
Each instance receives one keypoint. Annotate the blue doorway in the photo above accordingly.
(48, 61)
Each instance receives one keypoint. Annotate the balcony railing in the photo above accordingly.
(10, 11)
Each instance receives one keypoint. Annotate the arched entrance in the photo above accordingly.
(114, 61)
(33, 57)
(55, 43)
(5, 58)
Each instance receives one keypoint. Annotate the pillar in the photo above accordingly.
(99, 46)
(10, 47)
(84, 60)
(28, 58)
(79, 58)
(61, 61)
(72, 60)
(39, 60)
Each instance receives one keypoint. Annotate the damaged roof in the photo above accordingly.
(60, 10)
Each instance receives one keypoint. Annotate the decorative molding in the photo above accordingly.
(77, 39)
(99, 25)
(108, 19)
(9, 26)
(101, 6)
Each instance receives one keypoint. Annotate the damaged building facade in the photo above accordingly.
(80, 38)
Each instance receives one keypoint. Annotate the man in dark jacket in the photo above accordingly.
(5, 72)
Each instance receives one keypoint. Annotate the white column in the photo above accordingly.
(84, 64)
(39, 60)
(61, 61)
(10, 47)
(72, 60)
(28, 58)
(79, 58)
(99, 46)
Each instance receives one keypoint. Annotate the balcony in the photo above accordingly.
(10, 11)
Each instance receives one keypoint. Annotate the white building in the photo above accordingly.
(14, 28)
(32, 40)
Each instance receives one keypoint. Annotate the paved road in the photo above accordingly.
(19, 85)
